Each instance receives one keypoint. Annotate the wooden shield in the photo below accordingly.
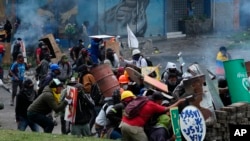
(55, 51)
(134, 75)
(156, 83)
(194, 86)
(114, 46)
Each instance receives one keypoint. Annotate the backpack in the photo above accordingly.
(83, 114)
(68, 66)
(134, 107)
(149, 62)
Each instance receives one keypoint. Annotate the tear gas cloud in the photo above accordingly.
(30, 29)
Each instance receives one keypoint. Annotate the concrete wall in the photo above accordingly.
(224, 17)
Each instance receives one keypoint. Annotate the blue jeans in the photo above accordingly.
(115, 135)
(45, 122)
(24, 122)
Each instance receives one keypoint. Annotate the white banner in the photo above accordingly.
(132, 40)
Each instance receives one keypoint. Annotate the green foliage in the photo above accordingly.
(70, 29)
(14, 135)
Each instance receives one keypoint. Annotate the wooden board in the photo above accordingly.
(55, 51)
(114, 46)
(194, 86)
(148, 70)
(174, 114)
(156, 83)
(192, 124)
(134, 75)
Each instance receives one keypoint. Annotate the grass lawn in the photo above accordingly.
(14, 135)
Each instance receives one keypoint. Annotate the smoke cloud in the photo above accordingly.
(30, 29)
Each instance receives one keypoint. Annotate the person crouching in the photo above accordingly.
(45, 103)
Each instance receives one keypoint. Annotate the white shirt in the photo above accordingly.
(101, 118)
(140, 63)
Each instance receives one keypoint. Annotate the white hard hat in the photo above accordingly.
(136, 51)
(170, 65)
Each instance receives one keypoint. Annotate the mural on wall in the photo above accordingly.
(58, 14)
(38, 18)
(131, 12)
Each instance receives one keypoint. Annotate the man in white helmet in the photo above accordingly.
(137, 59)
(171, 69)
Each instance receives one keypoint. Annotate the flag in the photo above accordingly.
(70, 110)
(132, 40)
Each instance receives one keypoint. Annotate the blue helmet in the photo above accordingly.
(54, 67)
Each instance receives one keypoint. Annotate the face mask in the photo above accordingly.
(136, 57)
(125, 87)
(172, 83)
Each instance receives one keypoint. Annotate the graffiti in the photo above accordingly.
(192, 124)
(129, 12)
(58, 14)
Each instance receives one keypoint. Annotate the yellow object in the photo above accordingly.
(148, 70)
(123, 79)
(126, 94)
(126, 73)
(56, 95)
(221, 57)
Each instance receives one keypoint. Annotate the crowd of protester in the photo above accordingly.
(39, 107)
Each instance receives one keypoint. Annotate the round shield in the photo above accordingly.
(192, 123)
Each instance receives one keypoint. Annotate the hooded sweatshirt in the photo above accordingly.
(46, 102)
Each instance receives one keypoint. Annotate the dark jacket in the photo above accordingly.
(84, 106)
(23, 101)
(115, 114)
(45, 103)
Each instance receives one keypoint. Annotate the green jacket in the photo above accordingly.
(45, 103)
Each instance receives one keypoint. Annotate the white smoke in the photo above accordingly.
(30, 29)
